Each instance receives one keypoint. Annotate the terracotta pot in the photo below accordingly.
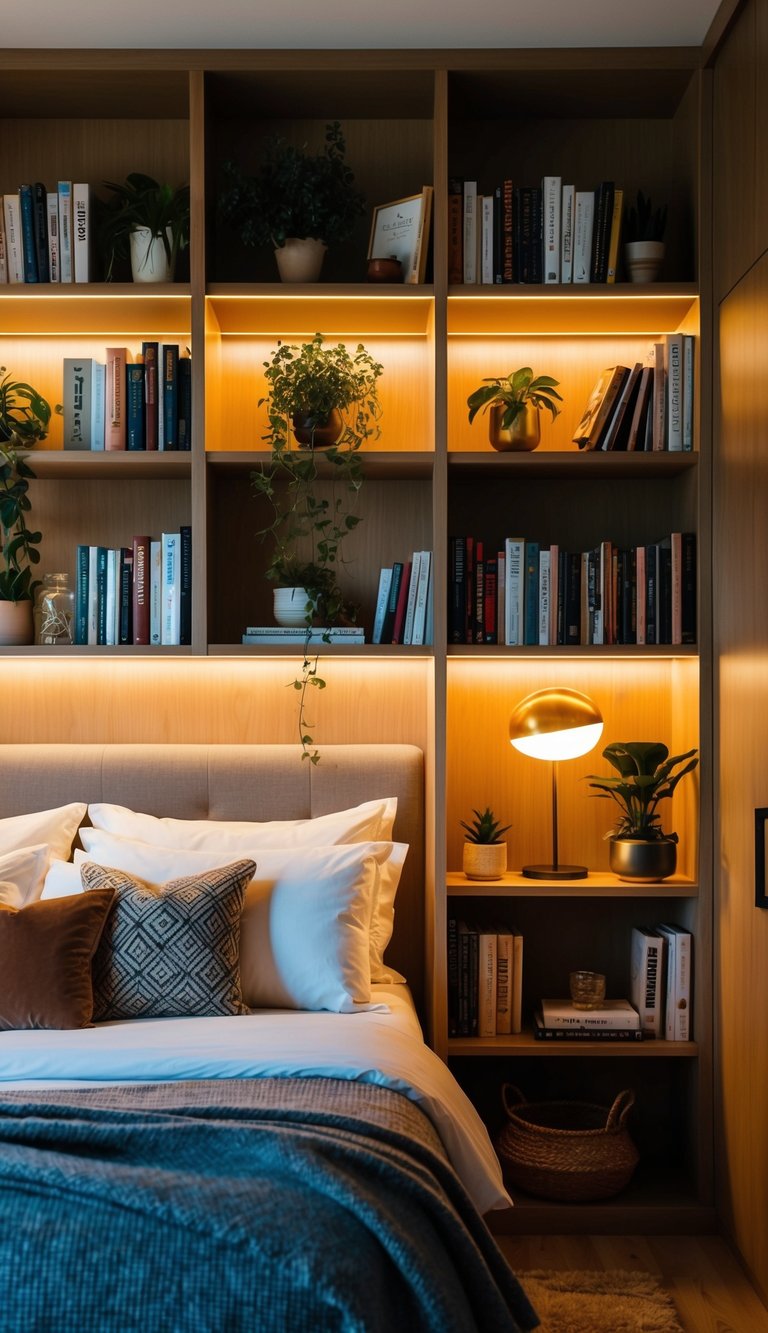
(484, 860)
(149, 262)
(523, 434)
(384, 270)
(300, 259)
(640, 862)
(16, 625)
(317, 434)
(644, 260)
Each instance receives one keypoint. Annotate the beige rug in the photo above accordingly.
(616, 1302)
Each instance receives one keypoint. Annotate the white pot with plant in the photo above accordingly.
(297, 202)
(644, 229)
(640, 850)
(147, 222)
(24, 419)
(515, 403)
(485, 851)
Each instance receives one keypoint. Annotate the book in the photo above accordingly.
(169, 389)
(485, 217)
(531, 594)
(452, 958)
(584, 213)
(41, 231)
(647, 978)
(486, 983)
(275, 634)
(64, 191)
(134, 406)
(411, 603)
(83, 403)
(679, 981)
(514, 561)
(112, 601)
(611, 1014)
(125, 613)
(184, 371)
(82, 570)
(28, 244)
(616, 432)
(469, 232)
(382, 600)
(3, 254)
(545, 1032)
(456, 589)
(402, 602)
(155, 591)
(421, 631)
(688, 390)
(14, 247)
(508, 231)
(171, 589)
(551, 194)
(516, 983)
(505, 961)
(601, 231)
(185, 584)
(597, 413)
(115, 412)
(149, 356)
(81, 232)
(688, 588)
(636, 435)
(140, 590)
(101, 594)
(614, 238)
(673, 406)
(468, 974)
(455, 230)
(93, 594)
(388, 623)
(657, 413)
(544, 582)
(52, 220)
(566, 233)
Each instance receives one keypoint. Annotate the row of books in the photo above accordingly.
(404, 612)
(545, 233)
(485, 979)
(140, 594)
(45, 234)
(285, 636)
(525, 593)
(662, 980)
(560, 1020)
(645, 407)
(120, 403)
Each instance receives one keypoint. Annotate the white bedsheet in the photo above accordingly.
(380, 1046)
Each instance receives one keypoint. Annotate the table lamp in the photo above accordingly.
(555, 724)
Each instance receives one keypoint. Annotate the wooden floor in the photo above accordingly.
(707, 1283)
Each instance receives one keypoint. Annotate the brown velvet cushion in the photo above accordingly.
(45, 960)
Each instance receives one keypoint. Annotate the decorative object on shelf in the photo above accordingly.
(308, 528)
(555, 724)
(644, 239)
(400, 231)
(515, 401)
(761, 881)
(147, 222)
(298, 202)
(54, 611)
(384, 270)
(640, 850)
(574, 1151)
(485, 851)
(587, 989)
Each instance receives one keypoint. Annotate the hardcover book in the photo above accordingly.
(134, 415)
(647, 978)
(115, 415)
(28, 245)
(566, 233)
(382, 601)
(3, 255)
(597, 413)
(52, 218)
(184, 371)
(544, 1032)
(41, 232)
(470, 231)
(140, 601)
(611, 1014)
(64, 191)
(14, 246)
(551, 191)
(83, 403)
(169, 361)
(155, 591)
(679, 989)
(81, 232)
(149, 356)
(584, 213)
(171, 589)
(185, 586)
(455, 230)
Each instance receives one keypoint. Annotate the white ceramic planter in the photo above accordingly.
(290, 607)
(149, 262)
(484, 860)
(300, 259)
(644, 260)
(16, 623)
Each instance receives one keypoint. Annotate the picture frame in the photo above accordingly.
(761, 878)
(400, 230)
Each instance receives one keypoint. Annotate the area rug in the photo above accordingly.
(601, 1302)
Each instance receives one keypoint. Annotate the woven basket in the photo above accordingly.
(566, 1150)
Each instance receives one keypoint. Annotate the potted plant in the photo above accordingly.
(644, 229)
(515, 401)
(316, 392)
(485, 852)
(298, 202)
(24, 419)
(148, 222)
(640, 849)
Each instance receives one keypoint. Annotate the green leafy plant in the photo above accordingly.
(642, 223)
(24, 420)
(142, 201)
(294, 193)
(24, 414)
(309, 524)
(645, 777)
(513, 392)
(485, 827)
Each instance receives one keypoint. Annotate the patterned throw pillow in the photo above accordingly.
(170, 950)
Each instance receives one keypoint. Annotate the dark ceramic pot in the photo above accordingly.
(642, 862)
(317, 434)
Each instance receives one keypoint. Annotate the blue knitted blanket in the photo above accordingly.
(229, 1206)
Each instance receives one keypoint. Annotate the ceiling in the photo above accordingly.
(301, 24)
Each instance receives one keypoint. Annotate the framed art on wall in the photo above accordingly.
(400, 230)
(761, 896)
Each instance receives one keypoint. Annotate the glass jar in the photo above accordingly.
(54, 610)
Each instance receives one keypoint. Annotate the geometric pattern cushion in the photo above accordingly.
(170, 950)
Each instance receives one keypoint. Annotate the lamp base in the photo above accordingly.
(555, 872)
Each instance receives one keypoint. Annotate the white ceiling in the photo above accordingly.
(373, 24)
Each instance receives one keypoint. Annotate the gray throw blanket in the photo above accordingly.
(229, 1206)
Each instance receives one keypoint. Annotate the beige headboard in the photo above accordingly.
(238, 782)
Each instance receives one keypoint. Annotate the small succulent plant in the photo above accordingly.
(484, 827)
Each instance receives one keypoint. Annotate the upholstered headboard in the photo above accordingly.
(239, 782)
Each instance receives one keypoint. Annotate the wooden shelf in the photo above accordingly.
(587, 310)
(76, 652)
(110, 465)
(355, 310)
(524, 1043)
(393, 464)
(598, 884)
(656, 1201)
(96, 309)
(568, 466)
(393, 651)
(598, 652)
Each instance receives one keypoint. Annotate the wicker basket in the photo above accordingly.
(566, 1150)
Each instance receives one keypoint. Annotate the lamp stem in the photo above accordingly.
(554, 815)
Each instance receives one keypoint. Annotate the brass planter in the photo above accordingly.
(641, 862)
(523, 434)
(314, 434)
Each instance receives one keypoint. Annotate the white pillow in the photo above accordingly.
(62, 880)
(304, 940)
(56, 827)
(22, 874)
(144, 859)
(370, 822)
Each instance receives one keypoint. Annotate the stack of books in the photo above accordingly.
(559, 1020)
(316, 636)
(645, 407)
(45, 236)
(122, 403)
(662, 975)
(140, 594)
(485, 979)
(404, 601)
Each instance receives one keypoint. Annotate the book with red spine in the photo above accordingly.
(141, 588)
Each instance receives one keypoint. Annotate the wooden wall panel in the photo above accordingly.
(734, 150)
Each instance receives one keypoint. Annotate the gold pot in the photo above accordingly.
(642, 862)
(524, 433)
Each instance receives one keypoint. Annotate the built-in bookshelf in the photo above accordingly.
(410, 119)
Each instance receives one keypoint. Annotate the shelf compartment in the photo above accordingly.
(594, 652)
(569, 466)
(96, 309)
(524, 1043)
(110, 465)
(365, 650)
(357, 310)
(379, 466)
(598, 884)
(586, 310)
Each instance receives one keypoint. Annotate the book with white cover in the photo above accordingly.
(505, 961)
(52, 214)
(65, 231)
(410, 605)
(113, 600)
(81, 232)
(92, 611)
(382, 598)
(486, 240)
(83, 403)
(611, 1014)
(155, 591)
(647, 978)
(470, 231)
(551, 197)
(486, 983)
(566, 233)
(422, 598)
(688, 367)
(14, 248)
(171, 601)
(673, 367)
(3, 255)
(544, 595)
(584, 216)
(514, 560)
(679, 975)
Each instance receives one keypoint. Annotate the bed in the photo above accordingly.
(266, 1167)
